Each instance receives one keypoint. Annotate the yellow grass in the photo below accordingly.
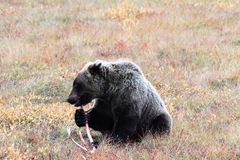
(189, 50)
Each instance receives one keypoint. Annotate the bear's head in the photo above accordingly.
(89, 84)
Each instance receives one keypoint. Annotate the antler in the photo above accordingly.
(90, 138)
(82, 139)
(77, 144)
(83, 147)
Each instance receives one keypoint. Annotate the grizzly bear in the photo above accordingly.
(126, 105)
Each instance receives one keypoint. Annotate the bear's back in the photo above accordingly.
(127, 66)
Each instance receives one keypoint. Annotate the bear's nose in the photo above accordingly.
(71, 100)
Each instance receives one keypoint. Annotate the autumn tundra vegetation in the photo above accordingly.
(188, 49)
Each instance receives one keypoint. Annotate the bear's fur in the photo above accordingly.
(126, 104)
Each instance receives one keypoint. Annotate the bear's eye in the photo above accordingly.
(76, 84)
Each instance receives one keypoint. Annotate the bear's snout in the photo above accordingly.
(72, 100)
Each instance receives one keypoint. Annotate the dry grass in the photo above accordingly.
(190, 50)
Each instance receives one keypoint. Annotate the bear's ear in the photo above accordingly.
(95, 67)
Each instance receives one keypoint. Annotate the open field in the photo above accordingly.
(189, 50)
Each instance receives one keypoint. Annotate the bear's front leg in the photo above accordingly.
(124, 128)
(96, 120)
(80, 118)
